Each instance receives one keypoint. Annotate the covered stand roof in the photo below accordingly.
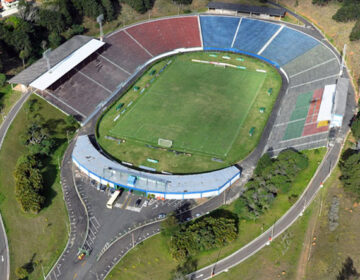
(89, 158)
(247, 9)
(342, 88)
(30, 74)
(64, 66)
(327, 102)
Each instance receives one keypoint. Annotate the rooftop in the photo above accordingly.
(248, 9)
(34, 71)
(89, 158)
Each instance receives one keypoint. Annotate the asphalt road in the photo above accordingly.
(4, 250)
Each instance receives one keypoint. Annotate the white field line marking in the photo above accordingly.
(113, 63)
(285, 123)
(91, 79)
(200, 31)
(308, 143)
(270, 40)
(63, 102)
(236, 32)
(302, 137)
(317, 80)
(313, 67)
(136, 41)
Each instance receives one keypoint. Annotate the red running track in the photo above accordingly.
(310, 126)
(165, 35)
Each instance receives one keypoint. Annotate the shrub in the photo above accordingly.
(2, 79)
(355, 32)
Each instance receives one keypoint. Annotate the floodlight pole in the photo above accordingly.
(99, 20)
(343, 61)
(46, 56)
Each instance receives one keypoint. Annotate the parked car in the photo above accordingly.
(162, 216)
(137, 203)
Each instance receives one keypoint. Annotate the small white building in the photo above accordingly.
(338, 113)
(326, 107)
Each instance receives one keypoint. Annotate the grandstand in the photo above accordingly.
(218, 32)
(253, 35)
(288, 45)
(165, 35)
(307, 63)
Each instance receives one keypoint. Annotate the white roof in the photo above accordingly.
(90, 159)
(60, 69)
(326, 103)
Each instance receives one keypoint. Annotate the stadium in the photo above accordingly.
(283, 89)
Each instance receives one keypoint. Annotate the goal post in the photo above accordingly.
(165, 143)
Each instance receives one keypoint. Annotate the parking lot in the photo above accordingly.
(129, 210)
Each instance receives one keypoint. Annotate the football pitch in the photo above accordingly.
(200, 107)
(206, 111)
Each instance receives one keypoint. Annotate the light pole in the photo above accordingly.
(99, 20)
(46, 56)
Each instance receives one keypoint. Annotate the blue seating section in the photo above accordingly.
(253, 35)
(288, 45)
(218, 31)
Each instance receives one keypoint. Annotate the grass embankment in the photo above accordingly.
(337, 32)
(334, 247)
(7, 98)
(142, 264)
(280, 259)
(207, 112)
(35, 239)
(161, 8)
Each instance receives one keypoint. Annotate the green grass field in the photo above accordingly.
(207, 111)
(152, 259)
(40, 238)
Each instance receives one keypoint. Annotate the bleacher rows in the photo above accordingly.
(307, 62)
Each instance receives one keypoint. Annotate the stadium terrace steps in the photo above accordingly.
(218, 32)
(253, 35)
(165, 35)
(310, 59)
(325, 70)
(98, 70)
(125, 52)
(302, 143)
(288, 45)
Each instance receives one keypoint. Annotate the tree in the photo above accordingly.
(203, 234)
(37, 138)
(55, 39)
(355, 127)
(170, 225)
(2, 80)
(28, 185)
(24, 54)
(350, 172)
(348, 271)
(21, 272)
(355, 32)
(52, 20)
(109, 9)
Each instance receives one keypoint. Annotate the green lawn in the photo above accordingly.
(248, 230)
(7, 98)
(280, 259)
(40, 238)
(207, 112)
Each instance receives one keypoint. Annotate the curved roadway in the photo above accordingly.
(4, 249)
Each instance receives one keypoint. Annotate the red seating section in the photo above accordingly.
(167, 34)
(125, 52)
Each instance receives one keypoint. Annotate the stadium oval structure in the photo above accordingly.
(306, 63)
